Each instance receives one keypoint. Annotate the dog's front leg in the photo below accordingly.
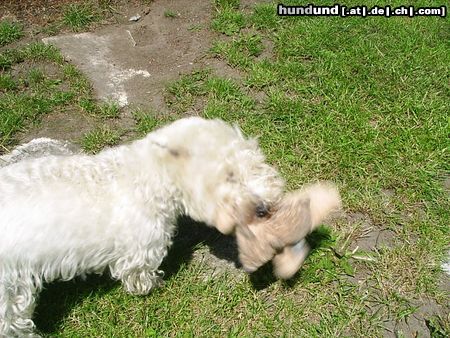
(141, 281)
(138, 271)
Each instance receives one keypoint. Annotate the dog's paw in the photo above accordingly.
(140, 283)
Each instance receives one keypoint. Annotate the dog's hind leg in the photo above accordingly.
(17, 301)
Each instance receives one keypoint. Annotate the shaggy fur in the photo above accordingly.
(63, 216)
(281, 235)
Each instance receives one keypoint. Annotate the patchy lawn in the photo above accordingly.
(363, 102)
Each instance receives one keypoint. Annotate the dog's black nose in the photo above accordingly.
(261, 210)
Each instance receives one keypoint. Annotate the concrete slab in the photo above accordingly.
(132, 63)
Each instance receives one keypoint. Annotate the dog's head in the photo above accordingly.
(223, 177)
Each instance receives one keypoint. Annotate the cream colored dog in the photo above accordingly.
(63, 216)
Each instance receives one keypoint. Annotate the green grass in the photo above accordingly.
(7, 82)
(95, 140)
(36, 51)
(220, 4)
(361, 102)
(147, 121)
(25, 98)
(35, 77)
(170, 14)
(79, 16)
(109, 110)
(227, 20)
(182, 93)
(239, 52)
(9, 32)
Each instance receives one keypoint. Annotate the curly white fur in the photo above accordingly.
(63, 216)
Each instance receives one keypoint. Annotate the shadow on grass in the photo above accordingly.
(189, 236)
(58, 299)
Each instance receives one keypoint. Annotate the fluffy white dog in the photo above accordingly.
(63, 216)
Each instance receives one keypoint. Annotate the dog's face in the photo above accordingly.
(239, 187)
(249, 188)
(223, 176)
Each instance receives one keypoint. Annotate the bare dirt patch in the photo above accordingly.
(61, 125)
(132, 63)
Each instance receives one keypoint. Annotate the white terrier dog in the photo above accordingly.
(63, 216)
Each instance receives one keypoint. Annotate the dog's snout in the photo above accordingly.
(261, 210)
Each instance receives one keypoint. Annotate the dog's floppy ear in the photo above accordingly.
(170, 152)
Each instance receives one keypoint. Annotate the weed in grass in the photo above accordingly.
(97, 139)
(109, 110)
(147, 122)
(239, 52)
(78, 16)
(35, 76)
(87, 105)
(170, 14)
(9, 32)
(227, 4)
(7, 82)
(228, 21)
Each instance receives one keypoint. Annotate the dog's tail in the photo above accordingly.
(324, 199)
